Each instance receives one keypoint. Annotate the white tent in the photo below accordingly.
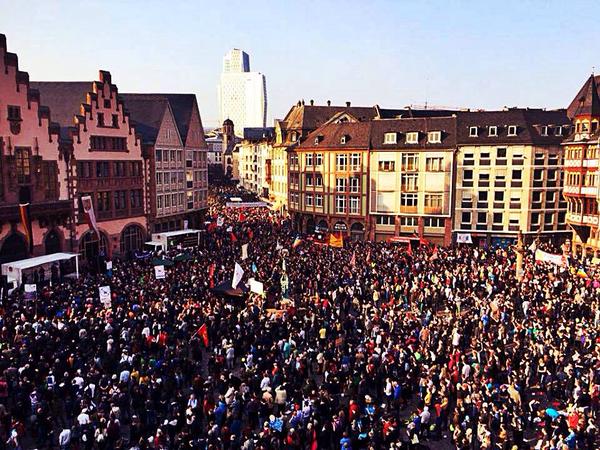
(14, 270)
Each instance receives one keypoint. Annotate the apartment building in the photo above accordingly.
(410, 178)
(582, 180)
(255, 155)
(508, 167)
(175, 154)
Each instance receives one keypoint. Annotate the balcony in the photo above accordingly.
(590, 220)
(433, 210)
(589, 190)
(10, 213)
(409, 209)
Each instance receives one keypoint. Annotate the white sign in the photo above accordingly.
(220, 221)
(105, 296)
(559, 260)
(464, 238)
(185, 224)
(256, 286)
(29, 288)
(159, 272)
(108, 265)
(238, 273)
(244, 252)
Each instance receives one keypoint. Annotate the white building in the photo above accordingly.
(242, 94)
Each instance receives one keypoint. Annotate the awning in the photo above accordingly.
(14, 270)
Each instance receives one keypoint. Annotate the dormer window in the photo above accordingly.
(473, 132)
(493, 130)
(585, 126)
(345, 138)
(594, 126)
(317, 140)
(512, 130)
(294, 137)
(412, 137)
(544, 130)
(434, 137)
(390, 138)
(558, 131)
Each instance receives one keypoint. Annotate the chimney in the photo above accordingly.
(347, 104)
(312, 102)
(105, 76)
(328, 102)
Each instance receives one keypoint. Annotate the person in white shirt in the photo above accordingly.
(83, 418)
(64, 438)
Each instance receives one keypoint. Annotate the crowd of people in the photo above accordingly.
(369, 346)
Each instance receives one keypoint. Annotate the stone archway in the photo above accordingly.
(357, 231)
(310, 225)
(52, 242)
(132, 238)
(91, 247)
(14, 248)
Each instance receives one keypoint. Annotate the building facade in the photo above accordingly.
(328, 178)
(582, 179)
(105, 163)
(509, 167)
(255, 155)
(411, 178)
(175, 153)
(32, 169)
(242, 94)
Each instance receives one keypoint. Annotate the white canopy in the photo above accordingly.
(14, 270)
(178, 232)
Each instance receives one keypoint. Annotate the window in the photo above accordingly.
(544, 130)
(410, 182)
(410, 162)
(412, 137)
(481, 218)
(115, 121)
(408, 199)
(50, 179)
(433, 222)
(408, 221)
(434, 201)
(482, 196)
(22, 155)
(354, 205)
(119, 169)
(465, 218)
(512, 130)
(308, 160)
(354, 184)
(535, 218)
(172, 154)
(343, 139)
(340, 204)
(484, 179)
(550, 196)
(493, 130)
(499, 196)
(468, 175)
(318, 159)
(434, 164)
(317, 140)
(318, 180)
(167, 201)
(14, 112)
(159, 202)
(387, 166)
(516, 174)
(102, 169)
(536, 196)
(549, 218)
(108, 143)
(135, 198)
(159, 178)
(538, 174)
(309, 179)
(473, 131)
(319, 200)
(120, 200)
(501, 152)
(390, 138)
(386, 220)
(434, 137)
(103, 201)
(355, 161)
(552, 174)
(340, 184)
(341, 161)
(558, 131)
(308, 199)
(100, 119)
(158, 155)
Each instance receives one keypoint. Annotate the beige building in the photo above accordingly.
(411, 173)
(509, 176)
(255, 154)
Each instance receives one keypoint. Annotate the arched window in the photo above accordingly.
(52, 242)
(14, 248)
(90, 247)
(132, 238)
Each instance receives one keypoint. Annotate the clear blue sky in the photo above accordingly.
(392, 53)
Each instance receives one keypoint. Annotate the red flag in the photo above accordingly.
(353, 260)
(250, 233)
(409, 250)
(203, 333)
(233, 238)
(423, 241)
(212, 227)
(241, 217)
(26, 222)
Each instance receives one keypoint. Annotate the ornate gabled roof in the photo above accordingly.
(587, 100)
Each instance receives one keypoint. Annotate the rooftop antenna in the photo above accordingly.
(426, 90)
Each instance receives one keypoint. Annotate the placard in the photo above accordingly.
(105, 296)
(159, 272)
